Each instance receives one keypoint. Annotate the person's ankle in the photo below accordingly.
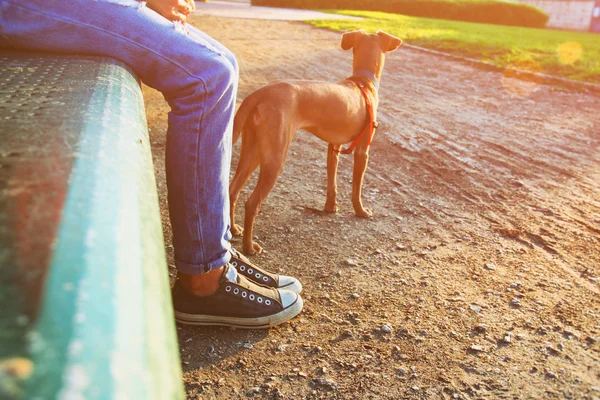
(202, 284)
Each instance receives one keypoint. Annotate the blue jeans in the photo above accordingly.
(197, 76)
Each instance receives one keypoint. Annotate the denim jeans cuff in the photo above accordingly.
(192, 269)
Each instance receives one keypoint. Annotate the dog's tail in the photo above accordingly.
(242, 114)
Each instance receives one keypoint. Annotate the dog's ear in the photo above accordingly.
(388, 42)
(349, 38)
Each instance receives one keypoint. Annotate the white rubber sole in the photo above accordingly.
(242, 323)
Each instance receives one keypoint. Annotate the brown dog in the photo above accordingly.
(338, 113)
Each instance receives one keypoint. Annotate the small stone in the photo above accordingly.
(568, 334)
(551, 375)
(490, 266)
(476, 309)
(551, 349)
(481, 328)
(248, 345)
(402, 372)
(387, 328)
(355, 295)
(515, 303)
(476, 347)
(326, 318)
(254, 390)
(351, 262)
(595, 388)
(302, 374)
(328, 383)
(347, 333)
(507, 337)
(281, 348)
(416, 388)
(453, 334)
(590, 340)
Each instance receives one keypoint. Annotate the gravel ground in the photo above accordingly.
(477, 277)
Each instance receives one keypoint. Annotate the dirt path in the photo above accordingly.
(486, 225)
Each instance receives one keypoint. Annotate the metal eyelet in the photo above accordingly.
(250, 271)
(268, 302)
(257, 275)
(244, 294)
(236, 291)
(265, 278)
(234, 264)
(242, 268)
(228, 289)
(252, 297)
(260, 300)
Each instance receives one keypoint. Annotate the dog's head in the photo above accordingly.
(369, 49)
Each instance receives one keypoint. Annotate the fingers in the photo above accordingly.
(183, 7)
(173, 10)
(182, 10)
(177, 16)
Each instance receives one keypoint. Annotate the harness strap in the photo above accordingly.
(371, 125)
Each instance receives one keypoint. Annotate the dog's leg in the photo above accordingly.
(269, 172)
(333, 156)
(361, 157)
(248, 162)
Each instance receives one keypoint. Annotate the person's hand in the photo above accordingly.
(174, 10)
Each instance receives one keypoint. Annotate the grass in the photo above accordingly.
(572, 55)
(482, 11)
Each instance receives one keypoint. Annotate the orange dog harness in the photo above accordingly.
(371, 125)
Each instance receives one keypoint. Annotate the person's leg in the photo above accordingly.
(198, 78)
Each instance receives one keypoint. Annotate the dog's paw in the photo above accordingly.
(364, 213)
(257, 248)
(330, 208)
(236, 230)
(253, 250)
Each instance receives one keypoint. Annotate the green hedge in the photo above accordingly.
(483, 11)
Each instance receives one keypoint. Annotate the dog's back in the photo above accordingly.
(331, 111)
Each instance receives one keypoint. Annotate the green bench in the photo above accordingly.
(85, 304)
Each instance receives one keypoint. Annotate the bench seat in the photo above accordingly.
(86, 309)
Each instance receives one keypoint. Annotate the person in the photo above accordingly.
(198, 77)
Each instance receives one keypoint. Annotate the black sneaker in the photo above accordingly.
(262, 277)
(238, 302)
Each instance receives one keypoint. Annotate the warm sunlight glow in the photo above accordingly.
(569, 52)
